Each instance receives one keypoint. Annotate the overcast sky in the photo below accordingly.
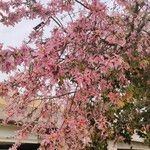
(13, 36)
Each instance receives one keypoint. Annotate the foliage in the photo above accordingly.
(87, 81)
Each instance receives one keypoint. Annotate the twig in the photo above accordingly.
(82, 4)
(53, 97)
(58, 23)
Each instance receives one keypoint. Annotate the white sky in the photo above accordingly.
(13, 36)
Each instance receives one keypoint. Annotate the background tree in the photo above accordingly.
(89, 79)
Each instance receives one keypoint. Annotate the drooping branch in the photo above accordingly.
(54, 97)
(82, 4)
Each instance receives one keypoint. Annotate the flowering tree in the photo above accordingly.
(84, 83)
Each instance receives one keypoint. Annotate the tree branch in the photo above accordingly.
(82, 4)
(57, 96)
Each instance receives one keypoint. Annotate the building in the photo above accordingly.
(7, 135)
(7, 138)
(136, 144)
